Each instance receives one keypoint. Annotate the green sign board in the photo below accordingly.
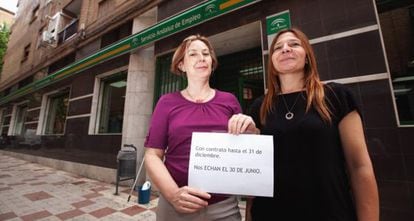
(189, 18)
(277, 22)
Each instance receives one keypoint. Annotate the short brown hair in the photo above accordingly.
(180, 52)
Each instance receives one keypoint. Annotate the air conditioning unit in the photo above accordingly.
(55, 25)
(47, 37)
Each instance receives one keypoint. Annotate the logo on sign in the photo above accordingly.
(135, 42)
(279, 23)
(210, 9)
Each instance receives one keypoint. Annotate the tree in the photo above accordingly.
(4, 38)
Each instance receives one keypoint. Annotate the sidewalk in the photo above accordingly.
(30, 191)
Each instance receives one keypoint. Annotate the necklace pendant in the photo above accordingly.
(289, 115)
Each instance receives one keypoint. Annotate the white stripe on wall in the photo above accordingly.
(80, 97)
(338, 35)
(358, 79)
(344, 34)
(78, 116)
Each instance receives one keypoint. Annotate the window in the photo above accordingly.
(26, 53)
(116, 34)
(61, 63)
(19, 126)
(57, 106)
(396, 19)
(35, 13)
(5, 122)
(70, 22)
(25, 81)
(111, 103)
(70, 30)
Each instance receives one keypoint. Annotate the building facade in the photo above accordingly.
(80, 78)
(6, 17)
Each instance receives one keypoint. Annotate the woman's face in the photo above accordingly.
(197, 60)
(289, 56)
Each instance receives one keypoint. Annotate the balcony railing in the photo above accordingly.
(68, 31)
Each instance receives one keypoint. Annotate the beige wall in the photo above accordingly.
(6, 17)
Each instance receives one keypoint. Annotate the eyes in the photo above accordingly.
(291, 44)
(193, 53)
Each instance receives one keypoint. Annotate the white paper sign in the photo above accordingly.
(232, 164)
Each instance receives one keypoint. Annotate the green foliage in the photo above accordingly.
(4, 38)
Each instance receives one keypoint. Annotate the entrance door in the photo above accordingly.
(240, 73)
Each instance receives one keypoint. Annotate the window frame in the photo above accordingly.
(397, 83)
(44, 111)
(35, 13)
(97, 98)
(17, 110)
(26, 53)
(3, 116)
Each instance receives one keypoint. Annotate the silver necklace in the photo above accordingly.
(289, 115)
(200, 100)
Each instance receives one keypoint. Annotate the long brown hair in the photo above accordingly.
(180, 52)
(313, 85)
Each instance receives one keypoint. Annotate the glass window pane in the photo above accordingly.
(20, 120)
(112, 103)
(6, 120)
(56, 115)
(397, 19)
(4, 131)
(6, 117)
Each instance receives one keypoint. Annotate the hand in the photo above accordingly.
(240, 123)
(189, 200)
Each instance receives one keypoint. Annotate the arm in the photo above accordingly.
(249, 202)
(184, 199)
(359, 166)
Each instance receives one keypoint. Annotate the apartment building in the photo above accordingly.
(80, 78)
(6, 17)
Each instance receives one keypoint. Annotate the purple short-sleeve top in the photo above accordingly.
(175, 119)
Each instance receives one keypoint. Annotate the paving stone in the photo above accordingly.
(30, 191)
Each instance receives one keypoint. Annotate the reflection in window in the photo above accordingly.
(21, 113)
(56, 113)
(397, 19)
(112, 102)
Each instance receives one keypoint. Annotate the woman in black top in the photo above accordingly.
(322, 168)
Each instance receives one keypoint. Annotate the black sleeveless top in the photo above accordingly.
(310, 178)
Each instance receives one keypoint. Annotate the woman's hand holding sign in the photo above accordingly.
(241, 123)
(189, 200)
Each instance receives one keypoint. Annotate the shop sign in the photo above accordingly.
(275, 23)
(187, 19)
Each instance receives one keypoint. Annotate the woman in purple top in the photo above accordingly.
(197, 108)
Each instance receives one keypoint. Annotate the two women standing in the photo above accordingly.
(322, 167)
